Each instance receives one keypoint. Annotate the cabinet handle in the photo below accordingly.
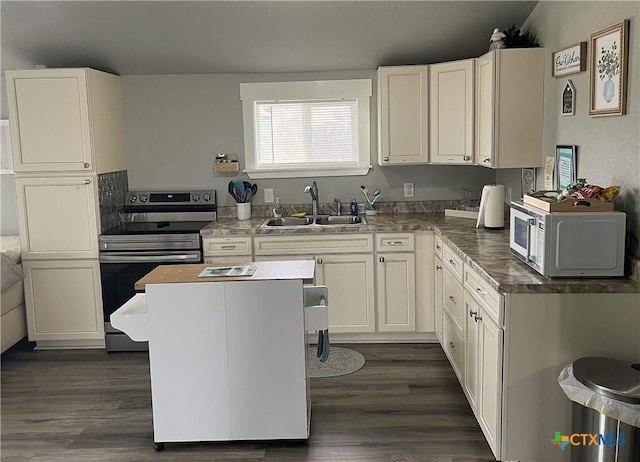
(394, 242)
(228, 247)
(453, 263)
(381, 260)
(477, 318)
(452, 345)
(87, 181)
(386, 159)
(466, 158)
(453, 299)
(438, 247)
(319, 261)
(487, 160)
(86, 165)
(438, 267)
(472, 313)
(480, 291)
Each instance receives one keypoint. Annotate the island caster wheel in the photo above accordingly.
(158, 446)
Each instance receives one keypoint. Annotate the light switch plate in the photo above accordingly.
(268, 195)
(408, 190)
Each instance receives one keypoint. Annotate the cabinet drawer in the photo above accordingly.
(388, 242)
(485, 295)
(227, 246)
(453, 262)
(453, 299)
(313, 244)
(438, 247)
(454, 346)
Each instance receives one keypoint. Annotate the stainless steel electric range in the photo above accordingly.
(159, 228)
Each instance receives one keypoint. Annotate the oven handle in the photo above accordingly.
(182, 258)
(530, 222)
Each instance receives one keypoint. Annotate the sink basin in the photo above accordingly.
(340, 220)
(289, 221)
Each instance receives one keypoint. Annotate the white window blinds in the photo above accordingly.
(299, 133)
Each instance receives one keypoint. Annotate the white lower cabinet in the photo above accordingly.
(227, 250)
(351, 291)
(438, 318)
(344, 263)
(64, 301)
(489, 376)
(396, 282)
(470, 385)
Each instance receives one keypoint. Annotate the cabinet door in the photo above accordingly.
(471, 358)
(438, 270)
(425, 281)
(351, 291)
(485, 118)
(49, 116)
(396, 292)
(58, 217)
(63, 300)
(403, 115)
(451, 112)
(490, 379)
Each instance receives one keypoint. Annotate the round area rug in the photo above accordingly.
(341, 361)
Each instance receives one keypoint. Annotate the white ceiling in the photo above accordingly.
(209, 37)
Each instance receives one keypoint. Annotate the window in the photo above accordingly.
(306, 129)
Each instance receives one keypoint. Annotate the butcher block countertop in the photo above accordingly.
(267, 270)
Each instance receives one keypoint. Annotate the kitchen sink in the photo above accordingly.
(288, 221)
(324, 220)
(340, 220)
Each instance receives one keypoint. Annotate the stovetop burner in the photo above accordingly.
(157, 227)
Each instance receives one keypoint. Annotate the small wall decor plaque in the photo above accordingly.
(569, 60)
(608, 70)
(566, 165)
(568, 99)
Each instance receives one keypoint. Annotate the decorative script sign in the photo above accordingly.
(570, 60)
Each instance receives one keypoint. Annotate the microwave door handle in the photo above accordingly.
(530, 222)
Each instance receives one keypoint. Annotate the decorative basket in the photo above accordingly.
(227, 162)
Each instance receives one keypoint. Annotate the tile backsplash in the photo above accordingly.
(112, 190)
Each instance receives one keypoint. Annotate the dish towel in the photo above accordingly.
(323, 339)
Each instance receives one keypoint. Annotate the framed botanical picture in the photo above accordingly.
(608, 70)
(565, 166)
(568, 105)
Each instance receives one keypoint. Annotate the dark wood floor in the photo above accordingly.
(404, 405)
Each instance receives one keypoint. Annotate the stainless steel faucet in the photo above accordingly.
(338, 206)
(313, 190)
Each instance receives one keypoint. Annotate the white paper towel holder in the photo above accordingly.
(491, 213)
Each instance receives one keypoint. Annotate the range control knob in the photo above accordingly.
(132, 199)
(207, 197)
(143, 198)
(196, 197)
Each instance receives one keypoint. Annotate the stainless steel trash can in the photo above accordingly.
(605, 438)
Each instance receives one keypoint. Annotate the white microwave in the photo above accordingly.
(568, 244)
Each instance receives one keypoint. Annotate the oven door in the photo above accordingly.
(521, 234)
(119, 272)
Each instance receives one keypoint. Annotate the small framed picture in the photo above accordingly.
(569, 60)
(568, 99)
(565, 165)
(528, 180)
(608, 70)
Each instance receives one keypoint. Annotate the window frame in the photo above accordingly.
(307, 90)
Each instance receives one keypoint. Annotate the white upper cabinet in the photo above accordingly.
(403, 115)
(509, 108)
(66, 120)
(451, 112)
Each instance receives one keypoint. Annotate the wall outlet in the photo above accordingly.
(268, 195)
(408, 190)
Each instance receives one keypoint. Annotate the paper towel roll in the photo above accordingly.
(492, 207)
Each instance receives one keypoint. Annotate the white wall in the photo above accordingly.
(608, 147)
(174, 125)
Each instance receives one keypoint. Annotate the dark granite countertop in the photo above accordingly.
(485, 251)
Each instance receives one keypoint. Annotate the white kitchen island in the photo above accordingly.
(227, 355)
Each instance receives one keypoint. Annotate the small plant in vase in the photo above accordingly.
(609, 66)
